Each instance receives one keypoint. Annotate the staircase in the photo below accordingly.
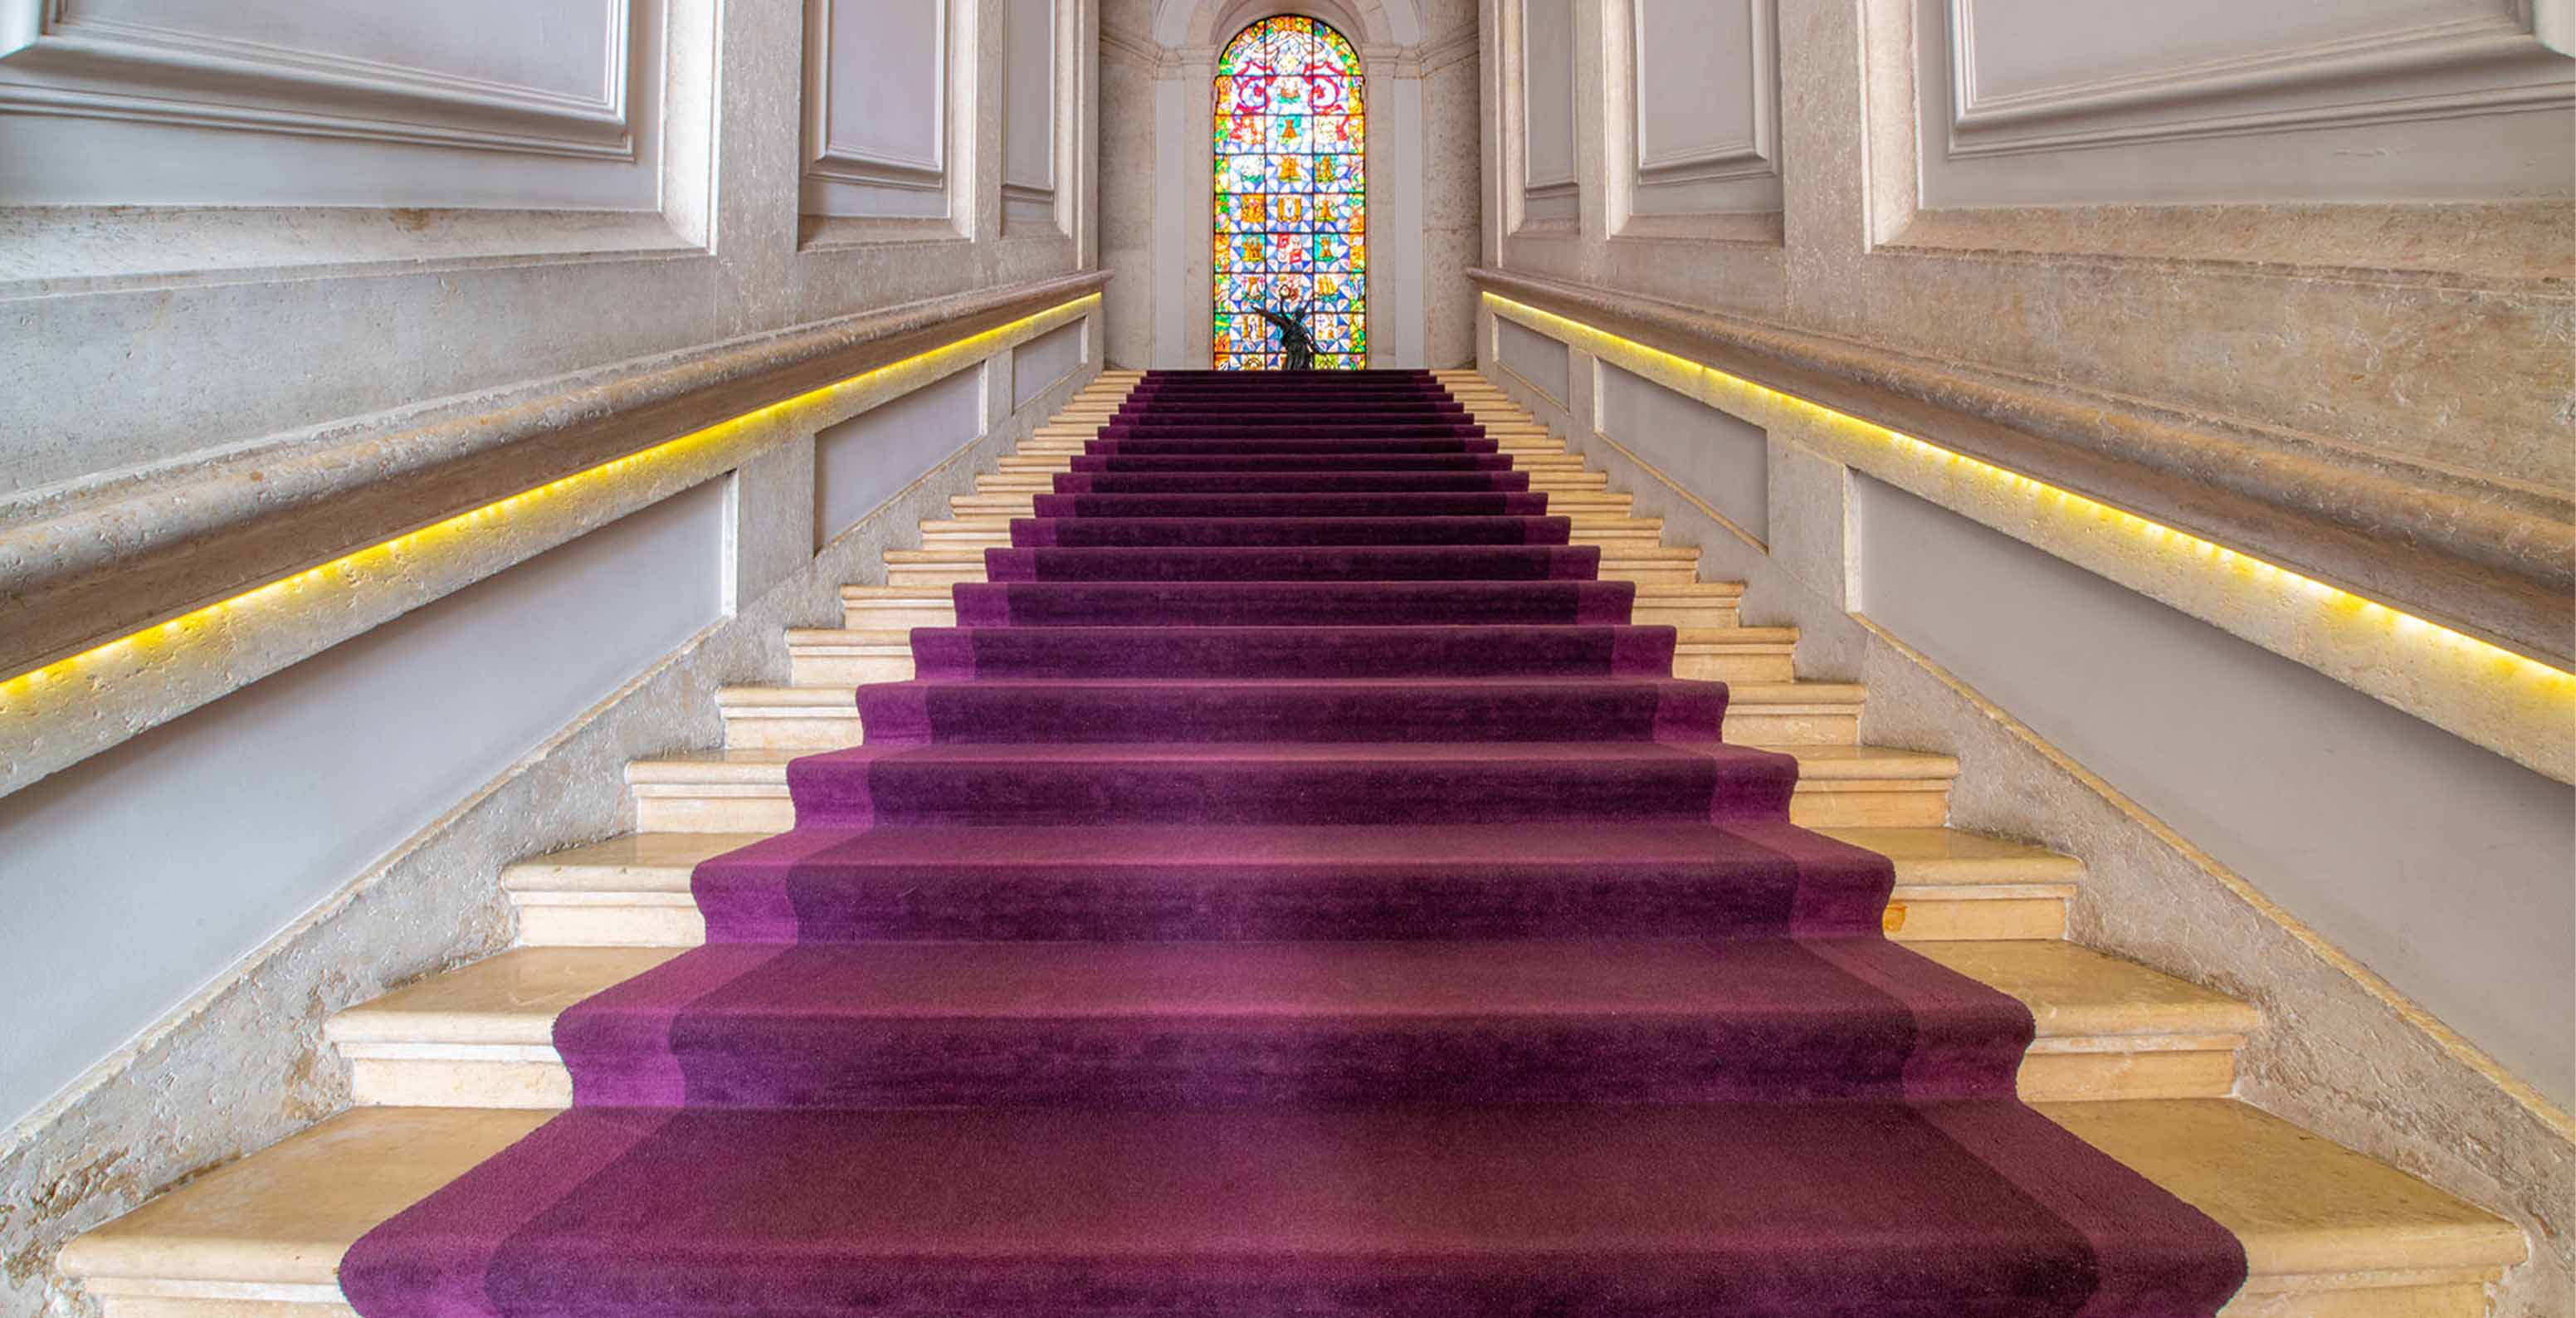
(1108, 1065)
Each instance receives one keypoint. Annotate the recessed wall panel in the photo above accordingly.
(868, 459)
(140, 874)
(1720, 458)
(1037, 365)
(1536, 358)
(2440, 865)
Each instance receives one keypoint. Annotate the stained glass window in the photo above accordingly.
(1291, 232)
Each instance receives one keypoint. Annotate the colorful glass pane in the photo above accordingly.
(1290, 194)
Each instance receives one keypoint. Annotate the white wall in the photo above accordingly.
(862, 461)
(1038, 364)
(141, 874)
(1534, 357)
(1725, 460)
(2440, 865)
(2045, 102)
(1159, 57)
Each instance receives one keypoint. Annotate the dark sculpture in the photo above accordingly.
(1294, 338)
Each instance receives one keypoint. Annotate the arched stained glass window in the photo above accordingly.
(1291, 229)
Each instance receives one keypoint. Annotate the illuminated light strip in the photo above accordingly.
(368, 562)
(2546, 682)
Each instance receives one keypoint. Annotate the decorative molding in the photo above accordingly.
(2483, 65)
(2494, 562)
(1754, 155)
(1533, 183)
(1042, 188)
(53, 62)
(79, 568)
(875, 167)
(1458, 44)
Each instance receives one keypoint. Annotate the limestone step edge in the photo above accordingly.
(633, 891)
(2328, 1233)
(846, 657)
(732, 791)
(826, 717)
(482, 1035)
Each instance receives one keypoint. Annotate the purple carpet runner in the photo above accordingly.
(1293, 887)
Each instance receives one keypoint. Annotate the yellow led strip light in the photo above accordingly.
(2486, 660)
(363, 563)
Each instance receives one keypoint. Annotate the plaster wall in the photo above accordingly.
(2440, 865)
(2203, 211)
(861, 461)
(140, 874)
(1419, 59)
(2341, 1050)
(523, 698)
(164, 317)
(1038, 364)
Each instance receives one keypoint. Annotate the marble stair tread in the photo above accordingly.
(2076, 996)
(661, 862)
(1784, 696)
(1684, 637)
(1647, 591)
(1817, 765)
(2336, 1233)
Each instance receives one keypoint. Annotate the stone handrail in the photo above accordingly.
(2492, 559)
(82, 567)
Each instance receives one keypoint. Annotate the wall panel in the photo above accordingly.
(1034, 37)
(2438, 864)
(1702, 104)
(481, 103)
(1723, 459)
(1535, 357)
(1550, 191)
(140, 874)
(878, 127)
(1039, 363)
(863, 461)
(2029, 102)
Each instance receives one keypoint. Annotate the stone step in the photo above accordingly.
(987, 530)
(1694, 604)
(745, 791)
(2327, 1233)
(633, 891)
(483, 1035)
(946, 565)
(1010, 481)
(847, 657)
(825, 717)
(1581, 505)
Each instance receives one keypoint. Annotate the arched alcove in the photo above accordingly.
(1289, 203)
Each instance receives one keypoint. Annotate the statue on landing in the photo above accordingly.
(1295, 339)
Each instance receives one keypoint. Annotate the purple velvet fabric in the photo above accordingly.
(1295, 888)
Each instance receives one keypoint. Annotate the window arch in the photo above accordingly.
(1291, 205)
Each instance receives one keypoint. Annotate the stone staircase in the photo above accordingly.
(2136, 1062)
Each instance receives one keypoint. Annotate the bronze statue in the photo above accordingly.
(1295, 339)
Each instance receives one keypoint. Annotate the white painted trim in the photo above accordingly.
(2483, 65)
(825, 159)
(103, 69)
(1756, 155)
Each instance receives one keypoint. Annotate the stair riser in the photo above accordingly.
(732, 808)
(1653, 574)
(1580, 505)
(813, 669)
(884, 615)
(1570, 484)
(771, 729)
(1366, 1067)
(671, 920)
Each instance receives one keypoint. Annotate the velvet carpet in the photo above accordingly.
(1295, 888)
